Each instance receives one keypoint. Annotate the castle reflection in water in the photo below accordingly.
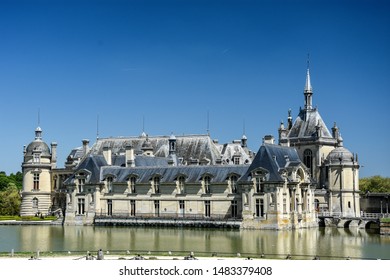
(331, 242)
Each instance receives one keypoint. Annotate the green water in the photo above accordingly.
(322, 242)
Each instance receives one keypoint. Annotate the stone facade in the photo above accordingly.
(193, 177)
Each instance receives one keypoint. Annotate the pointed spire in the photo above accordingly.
(308, 88)
(308, 91)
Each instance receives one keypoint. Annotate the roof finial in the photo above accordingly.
(97, 127)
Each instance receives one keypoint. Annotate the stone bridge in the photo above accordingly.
(340, 220)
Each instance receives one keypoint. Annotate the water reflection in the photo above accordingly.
(322, 242)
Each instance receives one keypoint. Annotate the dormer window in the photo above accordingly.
(236, 160)
(156, 184)
(206, 183)
(233, 183)
(132, 181)
(259, 182)
(80, 184)
(36, 158)
(181, 184)
(109, 184)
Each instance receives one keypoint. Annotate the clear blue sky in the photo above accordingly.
(171, 62)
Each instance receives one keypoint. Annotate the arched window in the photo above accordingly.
(308, 160)
(35, 203)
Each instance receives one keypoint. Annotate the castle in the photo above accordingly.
(281, 186)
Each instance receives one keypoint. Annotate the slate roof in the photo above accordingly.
(193, 174)
(273, 158)
(305, 125)
(187, 147)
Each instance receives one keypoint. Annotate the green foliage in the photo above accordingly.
(15, 179)
(10, 200)
(375, 184)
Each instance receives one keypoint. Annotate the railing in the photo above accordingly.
(167, 216)
(371, 216)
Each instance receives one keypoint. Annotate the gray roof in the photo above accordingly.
(305, 125)
(38, 146)
(218, 173)
(187, 147)
(273, 158)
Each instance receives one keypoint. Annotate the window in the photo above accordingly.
(109, 207)
(156, 184)
(81, 183)
(233, 183)
(181, 184)
(259, 208)
(259, 185)
(349, 204)
(181, 208)
(284, 206)
(109, 184)
(81, 206)
(132, 207)
(35, 203)
(234, 209)
(36, 158)
(132, 184)
(236, 160)
(36, 181)
(207, 209)
(206, 181)
(157, 208)
(308, 160)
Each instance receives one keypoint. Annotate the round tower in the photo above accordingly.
(343, 182)
(36, 169)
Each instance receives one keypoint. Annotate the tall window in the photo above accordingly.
(284, 206)
(81, 183)
(132, 207)
(156, 184)
(308, 160)
(206, 184)
(36, 181)
(236, 160)
(81, 206)
(207, 209)
(157, 208)
(233, 183)
(234, 209)
(181, 208)
(109, 207)
(259, 207)
(109, 184)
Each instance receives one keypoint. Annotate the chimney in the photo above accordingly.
(107, 153)
(54, 154)
(130, 159)
(85, 146)
(268, 139)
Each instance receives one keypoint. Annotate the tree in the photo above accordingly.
(10, 200)
(375, 184)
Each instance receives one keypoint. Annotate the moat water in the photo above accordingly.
(353, 243)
